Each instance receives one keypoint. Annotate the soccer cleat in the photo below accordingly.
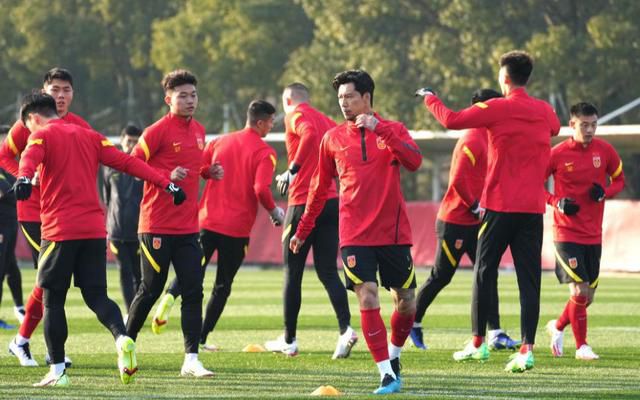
(22, 353)
(195, 369)
(19, 312)
(470, 352)
(416, 337)
(52, 379)
(280, 346)
(346, 341)
(520, 362)
(67, 361)
(127, 363)
(396, 367)
(388, 385)
(161, 317)
(502, 341)
(5, 325)
(585, 352)
(211, 348)
(556, 338)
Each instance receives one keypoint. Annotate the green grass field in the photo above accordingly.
(253, 315)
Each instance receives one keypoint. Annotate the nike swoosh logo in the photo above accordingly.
(344, 148)
(374, 333)
(176, 143)
(568, 164)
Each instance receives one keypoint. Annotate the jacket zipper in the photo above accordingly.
(363, 145)
(397, 224)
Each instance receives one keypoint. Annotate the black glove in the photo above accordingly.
(178, 194)
(425, 91)
(597, 192)
(22, 188)
(568, 206)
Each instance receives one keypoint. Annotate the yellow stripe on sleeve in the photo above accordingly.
(106, 143)
(469, 154)
(273, 160)
(617, 172)
(45, 255)
(147, 254)
(12, 144)
(145, 149)
(481, 105)
(292, 123)
(410, 279)
(32, 242)
(450, 256)
(351, 275)
(35, 141)
(567, 268)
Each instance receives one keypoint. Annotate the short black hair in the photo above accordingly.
(178, 77)
(131, 130)
(519, 65)
(484, 95)
(57, 73)
(583, 109)
(4, 129)
(298, 90)
(39, 103)
(361, 80)
(259, 110)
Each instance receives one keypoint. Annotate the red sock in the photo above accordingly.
(525, 348)
(401, 325)
(375, 333)
(477, 341)
(578, 317)
(33, 311)
(563, 320)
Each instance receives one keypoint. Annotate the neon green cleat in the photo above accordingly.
(520, 362)
(161, 317)
(470, 352)
(127, 363)
(51, 379)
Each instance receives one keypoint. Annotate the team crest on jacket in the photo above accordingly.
(573, 263)
(380, 143)
(458, 244)
(596, 160)
(351, 261)
(157, 243)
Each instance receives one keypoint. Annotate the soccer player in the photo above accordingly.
(305, 127)
(581, 167)
(73, 235)
(122, 194)
(366, 152)
(519, 128)
(173, 145)
(58, 83)
(457, 227)
(228, 208)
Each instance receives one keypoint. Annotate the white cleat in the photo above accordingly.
(52, 379)
(346, 341)
(211, 348)
(195, 369)
(557, 339)
(585, 352)
(22, 353)
(280, 346)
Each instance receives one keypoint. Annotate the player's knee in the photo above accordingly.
(367, 295)
(405, 301)
(580, 289)
(93, 297)
(223, 290)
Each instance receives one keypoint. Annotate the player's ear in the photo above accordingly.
(167, 98)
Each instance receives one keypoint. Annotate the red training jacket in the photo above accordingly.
(229, 206)
(305, 127)
(170, 142)
(519, 128)
(13, 146)
(71, 156)
(466, 178)
(575, 169)
(372, 209)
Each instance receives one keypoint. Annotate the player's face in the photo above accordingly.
(264, 126)
(182, 100)
(128, 143)
(352, 103)
(62, 93)
(584, 128)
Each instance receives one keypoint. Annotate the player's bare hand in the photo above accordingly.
(35, 181)
(178, 174)
(216, 171)
(368, 121)
(295, 244)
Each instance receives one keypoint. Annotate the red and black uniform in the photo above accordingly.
(169, 233)
(8, 233)
(305, 127)
(519, 128)
(372, 210)
(29, 210)
(73, 229)
(228, 209)
(578, 238)
(456, 226)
